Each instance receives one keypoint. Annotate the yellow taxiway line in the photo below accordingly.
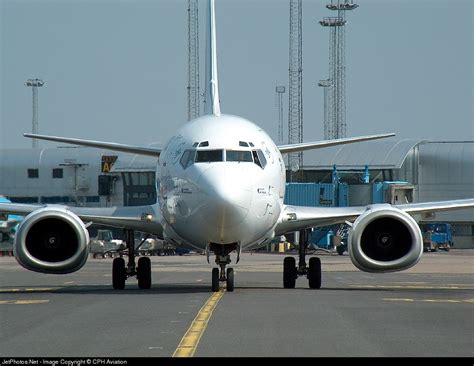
(429, 300)
(23, 302)
(28, 289)
(415, 287)
(190, 340)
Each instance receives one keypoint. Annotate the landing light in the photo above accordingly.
(147, 217)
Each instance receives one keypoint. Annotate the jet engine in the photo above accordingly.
(52, 240)
(385, 239)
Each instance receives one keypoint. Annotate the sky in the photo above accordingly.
(117, 70)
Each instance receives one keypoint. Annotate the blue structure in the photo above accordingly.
(9, 224)
(366, 176)
(317, 194)
(379, 189)
(437, 235)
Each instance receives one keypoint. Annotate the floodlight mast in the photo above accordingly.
(34, 84)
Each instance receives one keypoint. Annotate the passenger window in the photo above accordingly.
(209, 156)
(240, 156)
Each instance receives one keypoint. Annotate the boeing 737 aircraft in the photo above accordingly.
(221, 184)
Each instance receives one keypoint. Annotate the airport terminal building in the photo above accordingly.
(426, 170)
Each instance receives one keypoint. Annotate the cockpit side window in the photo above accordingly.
(209, 156)
(188, 158)
(256, 160)
(259, 158)
(239, 155)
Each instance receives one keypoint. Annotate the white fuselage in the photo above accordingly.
(220, 179)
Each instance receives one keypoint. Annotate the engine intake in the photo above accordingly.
(52, 240)
(385, 239)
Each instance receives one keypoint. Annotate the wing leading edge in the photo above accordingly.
(294, 218)
(133, 149)
(141, 218)
(284, 149)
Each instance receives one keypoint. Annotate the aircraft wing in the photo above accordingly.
(284, 149)
(141, 218)
(294, 218)
(140, 150)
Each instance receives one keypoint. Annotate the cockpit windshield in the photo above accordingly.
(209, 156)
(240, 156)
(192, 156)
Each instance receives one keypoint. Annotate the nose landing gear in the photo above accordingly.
(222, 260)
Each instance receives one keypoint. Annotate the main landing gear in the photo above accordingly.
(291, 272)
(222, 253)
(120, 272)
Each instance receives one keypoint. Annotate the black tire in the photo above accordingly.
(118, 274)
(314, 272)
(289, 272)
(340, 249)
(144, 273)
(230, 279)
(215, 279)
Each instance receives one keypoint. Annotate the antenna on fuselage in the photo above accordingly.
(212, 103)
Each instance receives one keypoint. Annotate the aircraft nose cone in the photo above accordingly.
(228, 194)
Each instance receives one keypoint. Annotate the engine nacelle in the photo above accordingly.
(52, 240)
(385, 239)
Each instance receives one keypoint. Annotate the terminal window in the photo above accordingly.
(57, 173)
(33, 173)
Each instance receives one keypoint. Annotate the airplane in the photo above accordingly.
(220, 188)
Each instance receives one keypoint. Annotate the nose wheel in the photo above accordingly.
(222, 274)
(215, 279)
(227, 277)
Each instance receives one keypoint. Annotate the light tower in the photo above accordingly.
(35, 84)
(280, 90)
(337, 64)
(295, 89)
(194, 104)
(327, 85)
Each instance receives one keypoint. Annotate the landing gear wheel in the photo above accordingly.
(314, 272)
(289, 272)
(230, 279)
(118, 274)
(340, 250)
(144, 273)
(215, 279)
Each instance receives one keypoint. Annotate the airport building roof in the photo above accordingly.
(378, 154)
